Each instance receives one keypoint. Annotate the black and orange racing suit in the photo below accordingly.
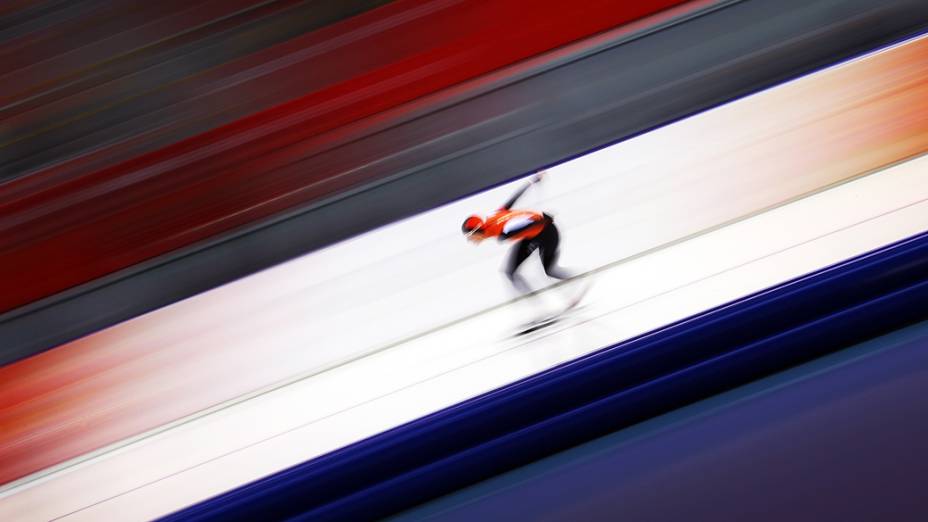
(531, 231)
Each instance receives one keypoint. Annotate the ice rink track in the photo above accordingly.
(326, 410)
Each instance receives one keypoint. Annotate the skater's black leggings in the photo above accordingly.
(547, 245)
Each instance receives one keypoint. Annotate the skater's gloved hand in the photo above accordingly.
(539, 176)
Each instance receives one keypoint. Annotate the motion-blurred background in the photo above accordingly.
(230, 227)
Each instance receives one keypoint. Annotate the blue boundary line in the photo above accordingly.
(618, 386)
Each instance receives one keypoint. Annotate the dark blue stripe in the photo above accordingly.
(634, 380)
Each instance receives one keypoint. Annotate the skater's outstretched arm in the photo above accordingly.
(515, 197)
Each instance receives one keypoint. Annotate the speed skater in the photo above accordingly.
(528, 230)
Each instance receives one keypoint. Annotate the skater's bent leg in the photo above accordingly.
(519, 282)
(549, 262)
(520, 253)
(549, 250)
(558, 272)
(548, 243)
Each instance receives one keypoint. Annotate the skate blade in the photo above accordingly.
(537, 325)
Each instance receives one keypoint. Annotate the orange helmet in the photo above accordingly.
(471, 225)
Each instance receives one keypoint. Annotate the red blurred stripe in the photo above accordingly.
(73, 231)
